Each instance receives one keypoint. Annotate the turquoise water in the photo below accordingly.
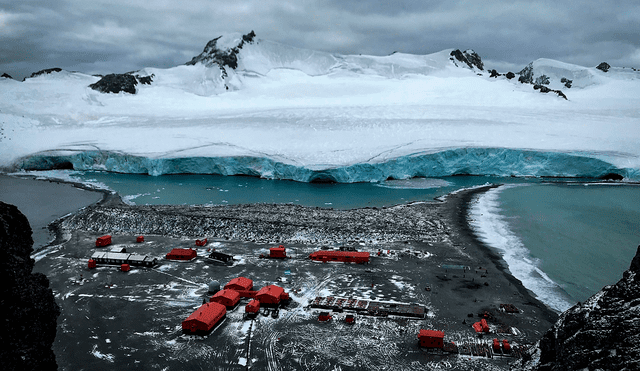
(583, 236)
(229, 190)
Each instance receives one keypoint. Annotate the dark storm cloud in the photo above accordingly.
(118, 36)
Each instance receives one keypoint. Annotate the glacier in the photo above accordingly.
(458, 161)
(310, 116)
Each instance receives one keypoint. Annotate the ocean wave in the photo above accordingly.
(493, 229)
(459, 161)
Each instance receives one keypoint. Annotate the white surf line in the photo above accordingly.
(180, 278)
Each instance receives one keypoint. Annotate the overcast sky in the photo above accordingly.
(102, 36)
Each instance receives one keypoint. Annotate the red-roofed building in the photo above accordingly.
(228, 298)
(277, 252)
(240, 284)
(204, 318)
(431, 338)
(270, 295)
(340, 256)
(252, 308)
(182, 254)
(103, 241)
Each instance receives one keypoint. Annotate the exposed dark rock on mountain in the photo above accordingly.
(510, 75)
(604, 67)
(567, 83)
(494, 73)
(526, 75)
(469, 57)
(224, 58)
(6, 76)
(115, 83)
(43, 72)
(29, 325)
(544, 89)
(602, 333)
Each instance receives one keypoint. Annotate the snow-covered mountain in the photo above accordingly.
(251, 106)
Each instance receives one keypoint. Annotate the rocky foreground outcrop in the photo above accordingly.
(28, 326)
(603, 333)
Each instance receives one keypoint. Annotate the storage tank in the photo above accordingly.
(214, 286)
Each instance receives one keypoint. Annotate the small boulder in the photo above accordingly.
(604, 67)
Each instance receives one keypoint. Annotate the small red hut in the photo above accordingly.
(103, 241)
(92, 264)
(277, 252)
(252, 308)
(228, 298)
(201, 242)
(140, 239)
(506, 346)
(485, 326)
(204, 318)
(431, 339)
(350, 319)
(182, 254)
(324, 317)
(240, 284)
(496, 345)
(125, 267)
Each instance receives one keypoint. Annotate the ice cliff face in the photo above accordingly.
(28, 328)
(603, 333)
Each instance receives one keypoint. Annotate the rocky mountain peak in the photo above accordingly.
(469, 57)
(599, 334)
(223, 51)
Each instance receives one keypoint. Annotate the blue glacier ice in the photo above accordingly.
(458, 161)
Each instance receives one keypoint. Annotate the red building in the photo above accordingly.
(252, 308)
(277, 252)
(204, 318)
(103, 241)
(92, 264)
(201, 242)
(240, 284)
(431, 339)
(324, 317)
(270, 295)
(350, 319)
(228, 298)
(182, 254)
(340, 256)
(125, 267)
(140, 239)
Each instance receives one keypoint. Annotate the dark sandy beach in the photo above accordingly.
(425, 243)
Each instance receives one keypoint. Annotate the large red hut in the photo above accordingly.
(182, 254)
(431, 338)
(270, 295)
(204, 318)
(228, 298)
(240, 284)
(103, 241)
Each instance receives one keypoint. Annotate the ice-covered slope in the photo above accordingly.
(285, 112)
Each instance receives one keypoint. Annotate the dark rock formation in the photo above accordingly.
(6, 76)
(602, 333)
(567, 83)
(544, 89)
(542, 80)
(510, 75)
(526, 75)
(604, 67)
(494, 73)
(469, 57)
(28, 328)
(115, 83)
(44, 72)
(223, 58)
